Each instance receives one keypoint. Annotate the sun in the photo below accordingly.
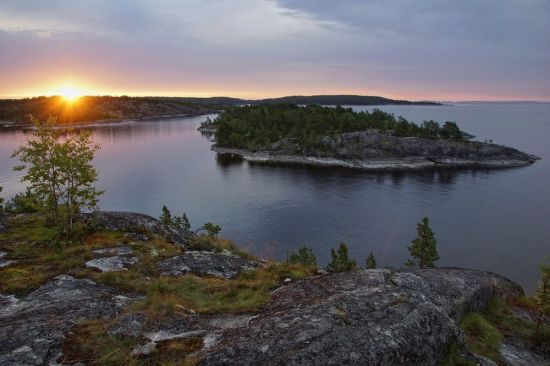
(70, 93)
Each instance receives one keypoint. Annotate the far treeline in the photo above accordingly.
(256, 127)
(94, 108)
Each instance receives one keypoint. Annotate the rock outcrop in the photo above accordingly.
(32, 329)
(223, 265)
(134, 223)
(374, 150)
(370, 317)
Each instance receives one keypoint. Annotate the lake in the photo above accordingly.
(495, 220)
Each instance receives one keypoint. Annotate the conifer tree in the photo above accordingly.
(340, 261)
(424, 248)
(371, 261)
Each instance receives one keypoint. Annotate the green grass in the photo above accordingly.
(40, 257)
(482, 337)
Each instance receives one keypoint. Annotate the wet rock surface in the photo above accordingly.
(32, 329)
(223, 265)
(134, 223)
(372, 317)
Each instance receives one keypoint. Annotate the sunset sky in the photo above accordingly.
(419, 50)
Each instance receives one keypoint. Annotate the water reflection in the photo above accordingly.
(488, 219)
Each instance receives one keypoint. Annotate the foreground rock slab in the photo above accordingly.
(134, 223)
(370, 317)
(32, 329)
(223, 265)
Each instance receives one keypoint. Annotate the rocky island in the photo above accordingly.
(132, 291)
(324, 136)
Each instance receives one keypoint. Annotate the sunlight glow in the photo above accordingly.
(70, 93)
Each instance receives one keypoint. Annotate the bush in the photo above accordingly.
(211, 229)
(340, 261)
(304, 256)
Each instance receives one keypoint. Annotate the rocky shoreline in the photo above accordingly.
(369, 150)
(363, 317)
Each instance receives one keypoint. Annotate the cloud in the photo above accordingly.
(402, 48)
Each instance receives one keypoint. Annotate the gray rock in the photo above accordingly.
(204, 263)
(112, 264)
(144, 350)
(120, 250)
(369, 317)
(519, 355)
(32, 329)
(134, 223)
(5, 262)
(373, 150)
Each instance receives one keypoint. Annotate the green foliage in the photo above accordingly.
(371, 261)
(166, 216)
(23, 203)
(59, 172)
(542, 297)
(482, 337)
(304, 256)
(212, 230)
(259, 126)
(340, 261)
(424, 248)
(180, 224)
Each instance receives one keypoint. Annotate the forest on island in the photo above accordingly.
(259, 126)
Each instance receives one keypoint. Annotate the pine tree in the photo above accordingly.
(166, 216)
(424, 248)
(340, 261)
(304, 256)
(212, 230)
(371, 261)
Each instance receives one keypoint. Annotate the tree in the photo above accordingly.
(59, 171)
(424, 248)
(542, 297)
(304, 256)
(166, 216)
(371, 261)
(211, 229)
(340, 261)
(180, 224)
(1, 202)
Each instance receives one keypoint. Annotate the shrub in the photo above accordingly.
(212, 230)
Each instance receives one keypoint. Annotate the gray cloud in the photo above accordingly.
(432, 49)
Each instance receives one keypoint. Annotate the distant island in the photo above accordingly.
(15, 112)
(326, 136)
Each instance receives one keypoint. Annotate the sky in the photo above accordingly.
(419, 50)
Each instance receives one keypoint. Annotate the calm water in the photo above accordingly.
(496, 220)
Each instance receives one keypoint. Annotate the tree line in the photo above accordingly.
(259, 126)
